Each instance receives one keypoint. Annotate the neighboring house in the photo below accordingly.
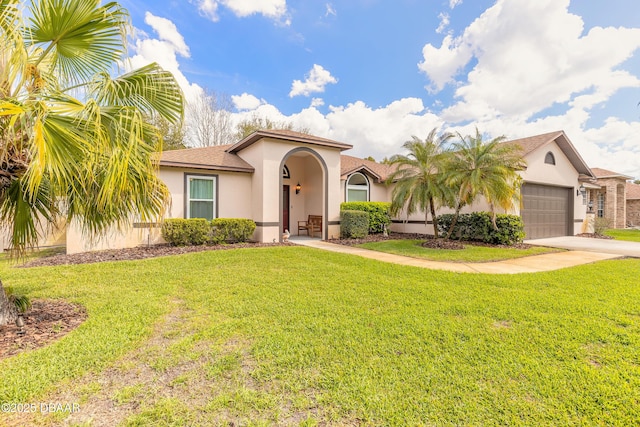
(615, 199)
(633, 204)
(278, 178)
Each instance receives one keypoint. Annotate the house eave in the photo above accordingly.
(258, 135)
(185, 165)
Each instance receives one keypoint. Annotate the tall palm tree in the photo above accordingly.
(418, 177)
(483, 168)
(73, 139)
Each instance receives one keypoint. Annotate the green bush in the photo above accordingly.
(379, 217)
(477, 226)
(600, 225)
(199, 231)
(232, 230)
(354, 224)
(182, 232)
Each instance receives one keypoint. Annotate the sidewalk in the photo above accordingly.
(531, 264)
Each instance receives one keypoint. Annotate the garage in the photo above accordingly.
(546, 210)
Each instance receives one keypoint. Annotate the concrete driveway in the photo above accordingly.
(619, 247)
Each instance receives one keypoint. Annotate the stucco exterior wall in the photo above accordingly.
(319, 195)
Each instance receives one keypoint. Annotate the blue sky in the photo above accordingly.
(372, 73)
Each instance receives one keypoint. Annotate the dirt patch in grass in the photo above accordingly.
(45, 322)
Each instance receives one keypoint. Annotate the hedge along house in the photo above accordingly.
(274, 177)
(553, 195)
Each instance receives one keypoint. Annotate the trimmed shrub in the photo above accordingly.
(477, 226)
(379, 217)
(199, 231)
(182, 232)
(354, 224)
(232, 230)
(600, 225)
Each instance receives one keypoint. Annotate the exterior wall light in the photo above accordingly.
(581, 190)
(298, 187)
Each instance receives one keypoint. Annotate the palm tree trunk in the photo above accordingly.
(434, 217)
(8, 311)
(454, 222)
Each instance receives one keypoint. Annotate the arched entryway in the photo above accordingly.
(304, 191)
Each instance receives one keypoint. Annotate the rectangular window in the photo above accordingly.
(600, 209)
(201, 197)
(357, 195)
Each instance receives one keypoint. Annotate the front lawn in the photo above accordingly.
(631, 235)
(298, 336)
(470, 253)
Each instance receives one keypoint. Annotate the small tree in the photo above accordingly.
(419, 177)
(255, 123)
(483, 168)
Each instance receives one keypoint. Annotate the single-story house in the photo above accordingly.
(614, 198)
(280, 177)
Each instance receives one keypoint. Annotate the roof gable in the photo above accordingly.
(633, 191)
(286, 135)
(536, 142)
(350, 164)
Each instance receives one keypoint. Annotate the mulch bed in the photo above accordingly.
(429, 241)
(594, 236)
(46, 321)
(141, 252)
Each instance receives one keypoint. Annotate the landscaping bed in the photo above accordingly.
(141, 252)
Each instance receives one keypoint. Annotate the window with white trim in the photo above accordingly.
(600, 208)
(357, 188)
(201, 196)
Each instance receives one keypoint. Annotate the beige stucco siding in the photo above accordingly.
(320, 192)
(233, 190)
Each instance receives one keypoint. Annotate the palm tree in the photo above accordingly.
(73, 139)
(483, 168)
(419, 177)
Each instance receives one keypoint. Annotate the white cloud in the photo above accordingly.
(274, 9)
(444, 22)
(330, 10)
(164, 50)
(454, 3)
(518, 74)
(317, 102)
(315, 82)
(246, 102)
(167, 31)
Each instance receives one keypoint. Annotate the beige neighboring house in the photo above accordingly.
(278, 178)
(615, 198)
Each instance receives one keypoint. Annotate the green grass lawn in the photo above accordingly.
(470, 253)
(629, 235)
(297, 336)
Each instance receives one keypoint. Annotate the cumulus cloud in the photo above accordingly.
(519, 74)
(315, 82)
(317, 102)
(164, 50)
(246, 102)
(275, 9)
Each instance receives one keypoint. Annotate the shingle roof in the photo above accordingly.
(287, 135)
(350, 164)
(215, 157)
(532, 143)
(633, 191)
(604, 173)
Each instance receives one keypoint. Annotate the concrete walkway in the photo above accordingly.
(531, 264)
(609, 246)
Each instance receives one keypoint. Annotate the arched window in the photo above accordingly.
(285, 172)
(550, 158)
(357, 188)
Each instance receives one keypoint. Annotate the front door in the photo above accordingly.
(285, 208)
